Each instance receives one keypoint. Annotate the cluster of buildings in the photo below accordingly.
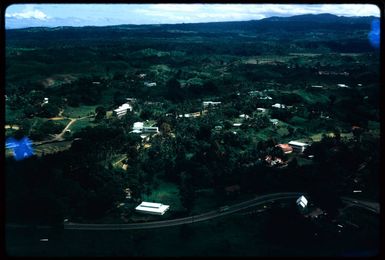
(292, 146)
(275, 161)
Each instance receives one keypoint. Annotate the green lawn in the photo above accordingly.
(166, 193)
(80, 111)
(12, 115)
(79, 124)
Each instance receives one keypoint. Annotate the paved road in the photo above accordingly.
(372, 206)
(368, 205)
(260, 200)
(197, 218)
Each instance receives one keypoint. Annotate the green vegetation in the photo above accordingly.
(200, 150)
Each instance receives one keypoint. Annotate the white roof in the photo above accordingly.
(297, 143)
(138, 125)
(278, 105)
(152, 208)
(123, 108)
(302, 201)
(211, 102)
(237, 124)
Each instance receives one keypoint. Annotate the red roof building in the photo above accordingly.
(286, 148)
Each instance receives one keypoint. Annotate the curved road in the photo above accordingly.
(371, 206)
(59, 137)
(374, 207)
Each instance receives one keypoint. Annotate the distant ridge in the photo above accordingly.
(324, 18)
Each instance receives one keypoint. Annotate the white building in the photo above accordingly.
(237, 124)
(277, 105)
(150, 84)
(302, 202)
(122, 110)
(298, 146)
(152, 208)
(139, 128)
(244, 116)
(342, 85)
(317, 86)
(212, 103)
(150, 129)
(274, 121)
(260, 109)
(45, 101)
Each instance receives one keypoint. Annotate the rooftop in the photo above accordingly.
(296, 143)
(152, 208)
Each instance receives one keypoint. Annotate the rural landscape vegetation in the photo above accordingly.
(221, 102)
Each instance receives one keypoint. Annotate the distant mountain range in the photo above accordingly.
(306, 18)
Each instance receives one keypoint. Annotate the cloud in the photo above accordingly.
(28, 13)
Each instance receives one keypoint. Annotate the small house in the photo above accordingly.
(302, 202)
(274, 121)
(150, 84)
(152, 208)
(210, 103)
(298, 146)
(286, 148)
(122, 110)
(277, 105)
(244, 116)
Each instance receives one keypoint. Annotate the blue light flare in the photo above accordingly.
(374, 34)
(21, 148)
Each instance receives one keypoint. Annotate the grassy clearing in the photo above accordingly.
(12, 115)
(317, 137)
(312, 98)
(80, 111)
(52, 148)
(165, 193)
(204, 202)
(80, 124)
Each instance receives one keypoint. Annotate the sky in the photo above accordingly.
(52, 15)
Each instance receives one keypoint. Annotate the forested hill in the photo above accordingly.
(272, 24)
